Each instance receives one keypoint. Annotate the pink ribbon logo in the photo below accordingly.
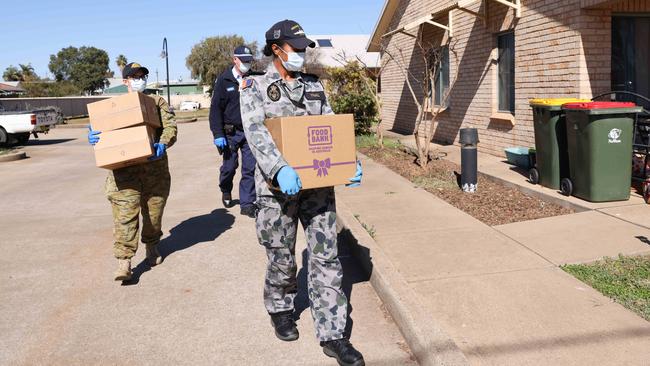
(322, 166)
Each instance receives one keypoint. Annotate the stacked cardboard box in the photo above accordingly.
(320, 148)
(128, 124)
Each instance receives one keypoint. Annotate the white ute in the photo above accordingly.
(16, 127)
(189, 105)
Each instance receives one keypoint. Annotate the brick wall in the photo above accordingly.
(561, 49)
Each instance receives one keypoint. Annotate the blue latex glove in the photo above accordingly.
(158, 151)
(356, 180)
(289, 181)
(93, 136)
(220, 142)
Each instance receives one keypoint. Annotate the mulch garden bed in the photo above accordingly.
(493, 203)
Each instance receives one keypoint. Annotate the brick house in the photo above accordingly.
(507, 52)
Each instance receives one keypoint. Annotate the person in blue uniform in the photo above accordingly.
(228, 133)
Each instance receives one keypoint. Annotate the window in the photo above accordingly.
(506, 85)
(324, 42)
(441, 78)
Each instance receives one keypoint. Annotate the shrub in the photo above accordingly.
(349, 93)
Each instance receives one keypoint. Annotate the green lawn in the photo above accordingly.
(5, 150)
(624, 279)
(372, 141)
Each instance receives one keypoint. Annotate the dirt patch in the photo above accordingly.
(493, 204)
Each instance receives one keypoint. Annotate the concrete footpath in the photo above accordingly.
(202, 306)
(466, 293)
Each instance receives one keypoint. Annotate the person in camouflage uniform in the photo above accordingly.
(140, 189)
(284, 91)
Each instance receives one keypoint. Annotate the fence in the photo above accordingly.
(71, 106)
(76, 106)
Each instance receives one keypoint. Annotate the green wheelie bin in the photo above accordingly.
(552, 161)
(599, 141)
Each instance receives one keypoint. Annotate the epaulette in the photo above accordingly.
(256, 73)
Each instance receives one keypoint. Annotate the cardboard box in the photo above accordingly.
(320, 148)
(124, 147)
(127, 110)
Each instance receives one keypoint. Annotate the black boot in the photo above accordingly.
(285, 326)
(226, 199)
(248, 210)
(343, 351)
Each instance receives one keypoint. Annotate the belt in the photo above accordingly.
(235, 126)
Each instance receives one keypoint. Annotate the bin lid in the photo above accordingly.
(598, 105)
(555, 101)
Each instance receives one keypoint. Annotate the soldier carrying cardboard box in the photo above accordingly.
(281, 92)
(142, 188)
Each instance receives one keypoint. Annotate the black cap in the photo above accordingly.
(244, 54)
(132, 68)
(290, 32)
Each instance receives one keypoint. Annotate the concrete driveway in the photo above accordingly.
(202, 306)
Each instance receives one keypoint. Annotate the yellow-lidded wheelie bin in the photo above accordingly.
(599, 141)
(552, 161)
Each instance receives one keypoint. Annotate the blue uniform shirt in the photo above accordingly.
(224, 107)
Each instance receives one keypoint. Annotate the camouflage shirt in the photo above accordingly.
(267, 96)
(165, 134)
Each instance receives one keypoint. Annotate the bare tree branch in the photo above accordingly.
(430, 57)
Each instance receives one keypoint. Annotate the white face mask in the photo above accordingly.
(295, 60)
(244, 67)
(138, 85)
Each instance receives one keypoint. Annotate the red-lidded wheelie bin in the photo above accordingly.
(599, 143)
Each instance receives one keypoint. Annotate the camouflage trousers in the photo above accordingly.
(140, 189)
(277, 223)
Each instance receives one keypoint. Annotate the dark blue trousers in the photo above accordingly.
(237, 142)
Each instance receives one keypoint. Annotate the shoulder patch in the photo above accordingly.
(247, 83)
(273, 92)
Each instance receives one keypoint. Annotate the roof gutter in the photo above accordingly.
(375, 36)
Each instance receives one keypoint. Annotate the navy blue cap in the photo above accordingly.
(244, 54)
(290, 32)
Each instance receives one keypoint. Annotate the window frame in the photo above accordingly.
(440, 86)
(506, 105)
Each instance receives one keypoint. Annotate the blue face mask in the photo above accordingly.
(295, 60)
(138, 85)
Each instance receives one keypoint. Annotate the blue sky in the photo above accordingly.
(35, 29)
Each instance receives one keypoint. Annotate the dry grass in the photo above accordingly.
(78, 121)
(201, 113)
